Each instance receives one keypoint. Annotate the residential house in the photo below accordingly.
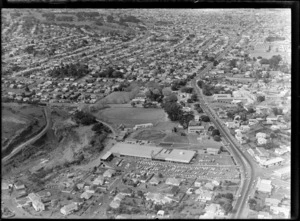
(209, 186)
(198, 183)
(264, 215)
(204, 195)
(36, 202)
(109, 173)
(212, 151)
(68, 209)
(154, 181)
(264, 185)
(233, 124)
(283, 173)
(19, 186)
(173, 182)
(195, 127)
(86, 195)
(212, 211)
(280, 210)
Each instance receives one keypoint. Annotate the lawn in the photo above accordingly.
(149, 135)
(130, 116)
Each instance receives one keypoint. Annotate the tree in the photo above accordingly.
(173, 110)
(210, 128)
(277, 111)
(215, 132)
(194, 97)
(205, 118)
(166, 91)
(187, 90)
(251, 110)
(171, 98)
(200, 83)
(260, 98)
(160, 175)
(217, 138)
(227, 207)
(133, 104)
(189, 100)
(185, 119)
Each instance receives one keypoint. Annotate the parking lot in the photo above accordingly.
(188, 171)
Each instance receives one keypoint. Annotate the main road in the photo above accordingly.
(248, 172)
(31, 140)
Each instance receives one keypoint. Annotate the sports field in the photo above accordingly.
(130, 116)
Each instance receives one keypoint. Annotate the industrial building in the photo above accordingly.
(154, 153)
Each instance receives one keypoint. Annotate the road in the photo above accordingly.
(31, 140)
(248, 174)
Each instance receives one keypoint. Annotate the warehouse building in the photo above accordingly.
(151, 152)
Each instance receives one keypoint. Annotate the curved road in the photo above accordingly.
(31, 140)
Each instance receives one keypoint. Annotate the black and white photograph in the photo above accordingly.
(146, 113)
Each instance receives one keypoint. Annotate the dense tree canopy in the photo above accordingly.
(70, 70)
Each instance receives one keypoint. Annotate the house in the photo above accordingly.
(233, 124)
(264, 185)
(160, 213)
(261, 135)
(19, 186)
(280, 151)
(205, 196)
(212, 211)
(36, 202)
(99, 180)
(261, 141)
(283, 173)
(252, 122)
(197, 183)
(212, 151)
(109, 173)
(271, 202)
(68, 209)
(215, 182)
(209, 186)
(154, 181)
(264, 215)
(280, 210)
(173, 182)
(195, 127)
(244, 128)
(86, 195)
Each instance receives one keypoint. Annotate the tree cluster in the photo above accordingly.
(273, 61)
(178, 84)
(84, 118)
(110, 72)
(70, 70)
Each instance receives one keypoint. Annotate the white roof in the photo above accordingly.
(274, 160)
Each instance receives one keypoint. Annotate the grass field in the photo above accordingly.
(149, 135)
(131, 116)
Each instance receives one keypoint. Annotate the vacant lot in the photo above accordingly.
(176, 138)
(131, 116)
